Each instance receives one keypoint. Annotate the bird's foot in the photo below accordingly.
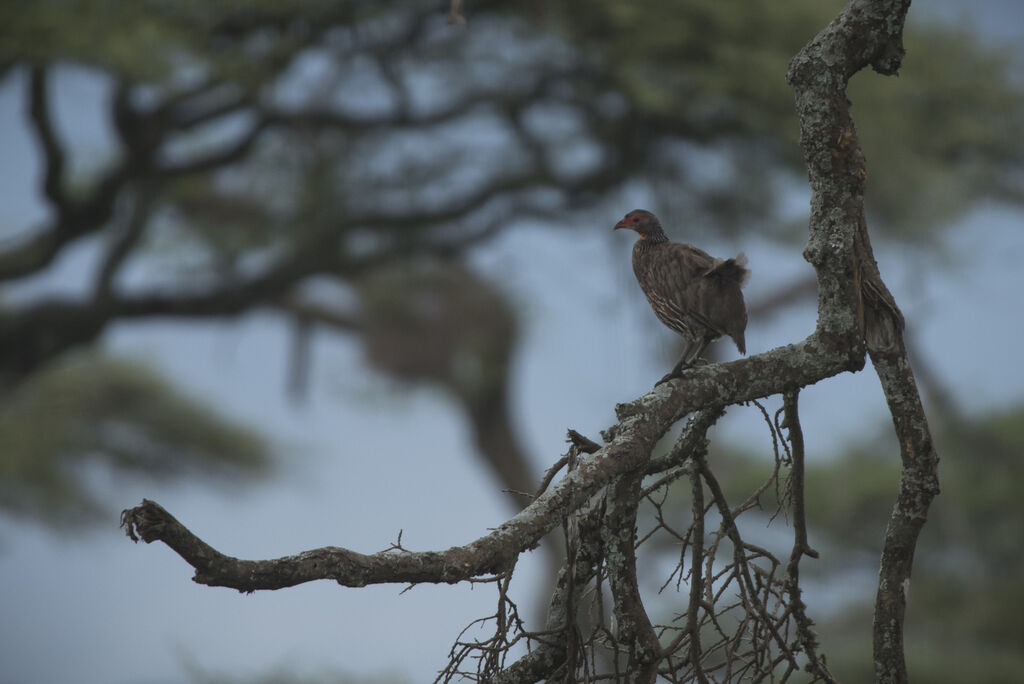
(680, 368)
(667, 377)
(676, 372)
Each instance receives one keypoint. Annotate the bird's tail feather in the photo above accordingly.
(732, 269)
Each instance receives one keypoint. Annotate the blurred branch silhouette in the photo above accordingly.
(263, 150)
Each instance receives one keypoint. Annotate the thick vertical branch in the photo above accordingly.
(122, 244)
(801, 547)
(555, 652)
(866, 32)
(696, 576)
(790, 404)
(919, 483)
(619, 536)
(42, 122)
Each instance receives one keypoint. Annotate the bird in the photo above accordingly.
(693, 293)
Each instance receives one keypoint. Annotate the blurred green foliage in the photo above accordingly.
(963, 615)
(90, 409)
(706, 68)
(704, 72)
(944, 135)
(156, 41)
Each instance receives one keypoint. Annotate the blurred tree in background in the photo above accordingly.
(963, 607)
(338, 163)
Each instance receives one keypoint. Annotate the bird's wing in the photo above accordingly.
(693, 262)
(714, 285)
(689, 265)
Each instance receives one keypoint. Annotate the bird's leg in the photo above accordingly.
(677, 371)
(686, 361)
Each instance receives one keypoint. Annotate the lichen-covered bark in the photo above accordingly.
(919, 484)
(865, 33)
(635, 632)
(857, 314)
(641, 424)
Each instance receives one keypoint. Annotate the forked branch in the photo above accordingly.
(866, 32)
(745, 617)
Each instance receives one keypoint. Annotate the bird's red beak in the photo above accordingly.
(621, 224)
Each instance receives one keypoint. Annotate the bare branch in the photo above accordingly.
(42, 123)
(491, 553)
(218, 158)
(866, 32)
(919, 484)
(121, 246)
(582, 565)
(585, 444)
(635, 632)
(801, 547)
(751, 588)
(73, 218)
(796, 478)
(696, 577)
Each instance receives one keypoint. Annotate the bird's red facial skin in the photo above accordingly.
(631, 223)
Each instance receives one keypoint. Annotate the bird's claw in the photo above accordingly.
(676, 373)
(665, 379)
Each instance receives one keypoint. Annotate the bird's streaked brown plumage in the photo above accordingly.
(692, 292)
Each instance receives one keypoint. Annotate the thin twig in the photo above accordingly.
(808, 640)
(696, 576)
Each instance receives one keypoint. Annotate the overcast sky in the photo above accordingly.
(363, 459)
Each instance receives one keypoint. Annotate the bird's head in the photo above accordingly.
(643, 222)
